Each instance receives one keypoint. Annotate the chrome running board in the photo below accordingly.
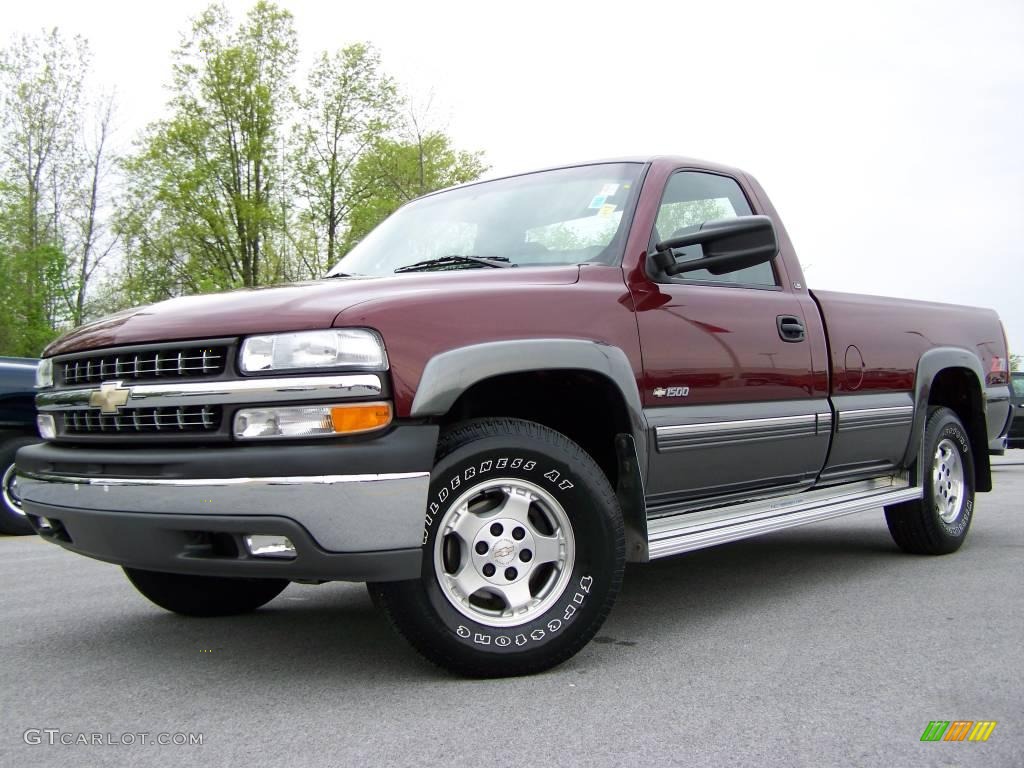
(673, 534)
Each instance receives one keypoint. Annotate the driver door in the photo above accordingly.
(727, 366)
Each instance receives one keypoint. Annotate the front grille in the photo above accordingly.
(190, 418)
(173, 362)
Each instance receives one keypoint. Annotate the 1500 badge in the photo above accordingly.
(672, 392)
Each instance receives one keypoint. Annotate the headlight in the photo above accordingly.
(336, 348)
(44, 373)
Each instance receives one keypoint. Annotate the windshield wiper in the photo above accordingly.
(443, 261)
(341, 274)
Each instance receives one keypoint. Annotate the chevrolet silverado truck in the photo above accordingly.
(500, 396)
(17, 429)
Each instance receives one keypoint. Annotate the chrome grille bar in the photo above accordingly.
(190, 362)
(233, 392)
(197, 418)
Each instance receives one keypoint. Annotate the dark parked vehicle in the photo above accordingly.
(17, 429)
(503, 393)
(1015, 439)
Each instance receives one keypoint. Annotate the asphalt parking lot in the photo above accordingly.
(818, 646)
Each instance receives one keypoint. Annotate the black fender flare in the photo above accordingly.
(931, 364)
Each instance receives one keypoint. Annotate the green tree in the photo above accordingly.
(93, 238)
(249, 180)
(30, 279)
(347, 104)
(395, 172)
(201, 211)
(41, 80)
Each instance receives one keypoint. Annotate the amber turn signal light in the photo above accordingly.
(360, 417)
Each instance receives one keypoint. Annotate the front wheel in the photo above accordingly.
(937, 524)
(204, 595)
(523, 553)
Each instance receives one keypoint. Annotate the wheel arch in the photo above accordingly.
(563, 384)
(952, 377)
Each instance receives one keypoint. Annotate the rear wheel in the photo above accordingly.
(204, 595)
(12, 517)
(937, 524)
(523, 553)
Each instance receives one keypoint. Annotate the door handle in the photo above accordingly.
(791, 328)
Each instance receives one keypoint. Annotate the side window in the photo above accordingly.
(690, 199)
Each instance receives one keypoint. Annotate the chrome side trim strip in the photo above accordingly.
(730, 426)
(682, 436)
(871, 412)
(873, 418)
(825, 422)
(230, 392)
(684, 533)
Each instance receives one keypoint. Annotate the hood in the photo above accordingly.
(296, 307)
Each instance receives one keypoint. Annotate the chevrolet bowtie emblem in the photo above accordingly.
(109, 397)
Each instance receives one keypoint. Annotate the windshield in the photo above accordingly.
(566, 216)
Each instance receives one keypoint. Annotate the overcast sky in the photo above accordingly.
(888, 134)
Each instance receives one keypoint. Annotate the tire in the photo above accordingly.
(12, 519)
(204, 595)
(530, 503)
(937, 524)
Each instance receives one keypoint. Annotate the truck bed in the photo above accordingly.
(875, 342)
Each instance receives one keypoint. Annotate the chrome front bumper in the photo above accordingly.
(343, 513)
(353, 509)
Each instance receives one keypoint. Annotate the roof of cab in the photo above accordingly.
(674, 161)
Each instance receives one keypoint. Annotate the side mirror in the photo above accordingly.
(729, 245)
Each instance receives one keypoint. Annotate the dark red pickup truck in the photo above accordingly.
(500, 396)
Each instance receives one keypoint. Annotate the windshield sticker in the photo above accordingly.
(608, 190)
(597, 202)
(606, 210)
